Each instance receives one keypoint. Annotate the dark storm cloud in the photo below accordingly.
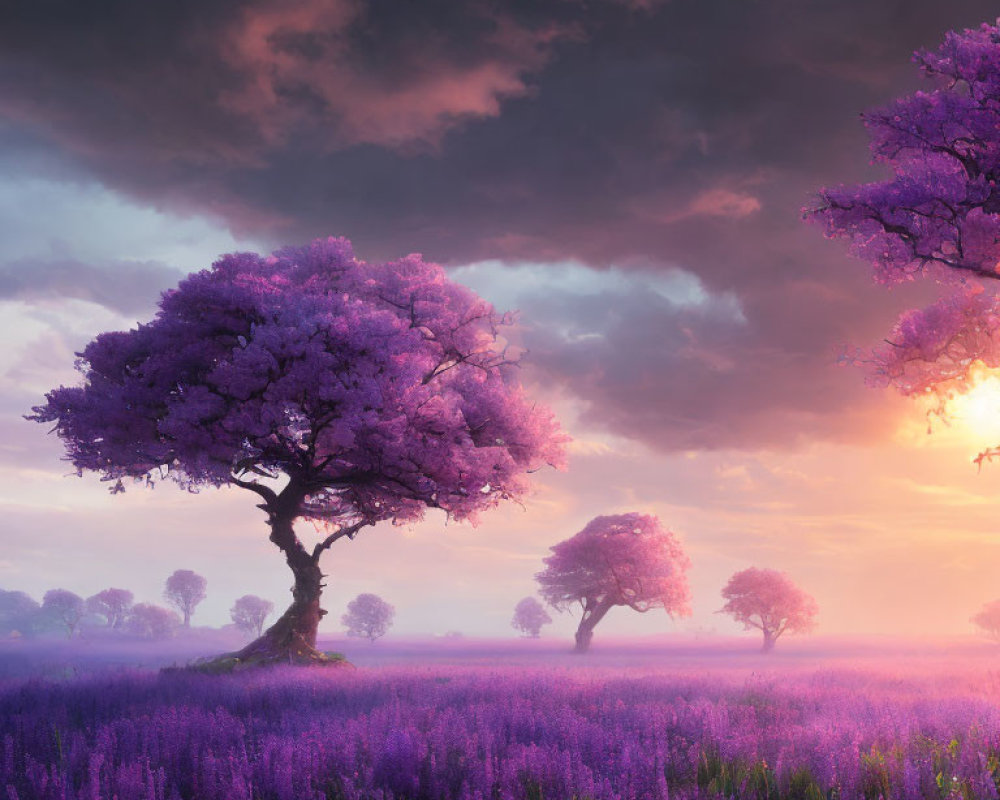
(636, 134)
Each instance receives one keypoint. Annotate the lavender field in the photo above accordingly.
(643, 721)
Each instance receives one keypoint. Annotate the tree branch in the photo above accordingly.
(350, 532)
(267, 493)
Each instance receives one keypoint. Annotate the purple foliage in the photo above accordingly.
(184, 590)
(938, 213)
(474, 733)
(112, 604)
(249, 613)
(372, 392)
(529, 617)
(368, 616)
(385, 388)
(18, 613)
(616, 560)
(64, 608)
(151, 621)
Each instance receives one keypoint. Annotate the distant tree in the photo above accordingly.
(368, 616)
(151, 621)
(988, 620)
(18, 613)
(937, 215)
(373, 391)
(64, 608)
(767, 600)
(112, 604)
(619, 560)
(184, 591)
(529, 617)
(249, 613)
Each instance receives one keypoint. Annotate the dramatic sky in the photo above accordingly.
(629, 174)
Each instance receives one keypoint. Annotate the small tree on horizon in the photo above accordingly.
(767, 600)
(18, 613)
(151, 621)
(618, 560)
(184, 590)
(112, 604)
(335, 391)
(65, 608)
(249, 613)
(529, 617)
(988, 620)
(368, 616)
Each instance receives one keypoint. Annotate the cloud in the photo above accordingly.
(302, 63)
(659, 357)
(724, 203)
(123, 286)
(224, 83)
(664, 143)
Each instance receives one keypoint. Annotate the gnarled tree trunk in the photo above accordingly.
(593, 612)
(769, 639)
(292, 639)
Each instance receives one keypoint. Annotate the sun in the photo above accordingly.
(976, 410)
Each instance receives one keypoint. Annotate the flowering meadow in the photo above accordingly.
(722, 726)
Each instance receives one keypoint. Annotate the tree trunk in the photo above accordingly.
(592, 614)
(292, 639)
(769, 640)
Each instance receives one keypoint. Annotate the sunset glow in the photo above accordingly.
(977, 409)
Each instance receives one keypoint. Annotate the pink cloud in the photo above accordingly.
(300, 64)
(724, 203)
(719, 202)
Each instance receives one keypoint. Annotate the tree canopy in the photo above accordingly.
(249, 613)
(112, 604)
(368, 616)
(529, 617)
(381, 389)
(769, 601)
(618, 560)
(338, 391)
(184, 590)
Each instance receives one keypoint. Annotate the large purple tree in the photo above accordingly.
(938, 214)
(333, 390)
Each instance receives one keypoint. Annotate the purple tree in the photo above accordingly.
(619, 560)
(18, 613)
(767, 600)
(184, 590)
(151, 621)
(529, 617)
(64, 608)
(939, 214)
(335, 391)
(249, 613)
(112, 604)
(988, 619)
(368, 616)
